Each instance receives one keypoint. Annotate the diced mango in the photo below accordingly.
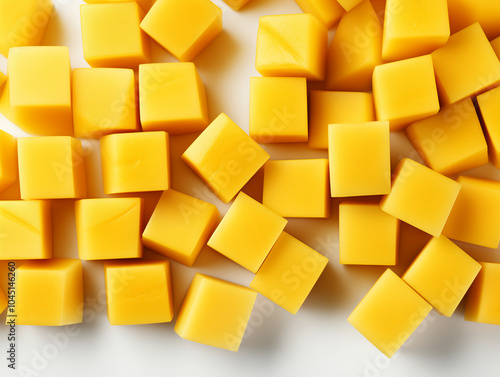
(465, 12)
(3, 78)
(495, 43)
(482, 299)
(236, 4)
(144, 4)
(349, 4)
(327, 11)
(3, 301)
(8, 160)
(488, 105)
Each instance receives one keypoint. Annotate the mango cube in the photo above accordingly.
(465, 12)
(291, 45)
(225, 157)
(3, 78)
(25, 230)
(138, 292)
(349, 4)
(289, 273)
(51, 167)
(482, 299)
(247, 232)
(495, 43)
(278, 109)
(359, 156)
(420, 196)
(3, 301)
(389, 313)
(136, 161)
(49, 293)
(205, 316)
(8, 160)
(183, 27)
(236, 4)
(328, 12)
(488, 105)
(144, 4)
(180, 226)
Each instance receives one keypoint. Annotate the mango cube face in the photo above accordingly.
(225, 157)
(291, 45)
(3, 301)
(482, 299)
(180, 226)
(26, 229)
(328, 12)
(8, 160)
(289, 273)
(205, 316)
(49, 293)
(138, 292)
(473, 218)
(450, 147)
(172, 98)
(488, 104)
(247, 232)
(465, 12)
(183, 27)
(495, 43)
(3, 78)
(236, 4)
(389, 313)
(51, 167)
(144, 4)
(359, 159)
(278, 109)
(297, 188)
(135, 162)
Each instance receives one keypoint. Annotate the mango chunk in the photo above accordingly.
(488, 105)
(180, 226)
(247, 232)
(138, 292)
(474, 217)
(26, 230)
(8, 160)
(236, 4)
(482, 299)
(328, 12)
(420, 196)
(465, 12)
(225, 157)
(278, 109)
(144, 4)
(3, 301)
(389, 313)
(291, 45)
(3, 78)
(495, 43)
(51, 167)
(349, 4)
(205, 316)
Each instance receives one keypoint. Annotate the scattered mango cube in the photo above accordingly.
(482, 299)
(488, 105)
(144, 4)
(8, 160)
(236, 4)
(465, 12)
(327, 11)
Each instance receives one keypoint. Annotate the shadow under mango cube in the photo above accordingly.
(8, 160)
(488, 105)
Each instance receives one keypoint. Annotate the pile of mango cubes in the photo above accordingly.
(423, 66)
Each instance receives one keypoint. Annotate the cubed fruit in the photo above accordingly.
(488, 105)
(8, 160)
(465, 12)
(495, 43)
(3, 78)
(349, 4)
(144, 4)
(236, 4)
(482, 299)
(327, 11)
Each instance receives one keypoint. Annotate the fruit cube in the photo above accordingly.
(495, 43)
(482, 299)
(3, 78)
(236, 4)
(488, 105)
(349, 4)
(144, 4)
(8, 160)
(465, 12)
(328, 12)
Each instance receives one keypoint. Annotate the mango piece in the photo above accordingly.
(26, 229)
(420, 196)
(452, 140)
(112, 37)
(466, 65)
(51, 167)
(225, 157)
(247, 232)
(3, 301)
(236, 4)
(289, 273)
(488, 105)
(180, 226)
(183, 27)
(138, 292)
(328, 12)
(495, 43)
(336, 107)
(291, 45)
(8, 160)
(405, 91)
(278, 109)
(172, 98)
(144, 4)
(389, 313)
(482, 299)
(349, 4)
(3, 78)
(49, 293)
(205, 316)
(473, 218)
(135, 162)
(465, 12)
(359, 155)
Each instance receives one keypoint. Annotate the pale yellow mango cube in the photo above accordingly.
(327, 11)
(8, 160)
(482, 303)
(488, 105)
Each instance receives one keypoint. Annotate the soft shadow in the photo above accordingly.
(255, 185)
(411, 242)
(64, 244)
(327, 293)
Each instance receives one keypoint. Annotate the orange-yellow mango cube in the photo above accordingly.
(482, 303)
(8, 160)
(3, 78)
(348, 5)
(495, 43)
(327, 11)
(215, 312)
(488, 105)
(3, 301)
(144, 4)
(236, 4)
(465, 12)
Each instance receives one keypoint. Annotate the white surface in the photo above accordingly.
(318, 341)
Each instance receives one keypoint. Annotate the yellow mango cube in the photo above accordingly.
(291, 45)
(135, 162)
(474, 217)
(289, 273)
(49, 292)
(452, 140)
(205, 316)
(488, 105)
(389, 313)
(225, 157)
(465, 12)
(327, 11)
(26, 229)
(3, 78)
(3, 301)
(278, 109)
(466, 65)
(355, 51)
(8, 160)
(138, 292)
(236, 4)
(172, 98)
(495, 43)
(349, 4)
(40, 94)
(144, 4)
(247, 232)
(51, 167)
(359, 155)
(103, 102)
(183, 27)
(336, 107)
(367, 235)
(297, 188)
(180, 226)
(405, 91)
(442, 273)
(482, 299)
